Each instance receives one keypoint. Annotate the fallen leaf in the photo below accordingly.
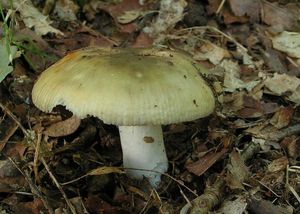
(7, 54)
(281, 84)
(204, 163)
(34, 19)
(237, 172)
(273, 60)
(267, 207)
(279, 164)
(232, 80)
(291, 145)
(282, 117)
(211, 52)
(63, 128)
(66, 10)
(288, 42)
(251, 108)
(250, 8)
(280, 18)
(170, 13)
(129, 16)
(95, 204)
(106, 170)
(236, 206)
(33, 207)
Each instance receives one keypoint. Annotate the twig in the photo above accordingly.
(268, 188)
(292, 130)
(289, 169)
(36, 156)
(12, 116)
(70, 205)
(30, 139)
(213, 193)
(218, 31)
(220, 6)
(34, 189)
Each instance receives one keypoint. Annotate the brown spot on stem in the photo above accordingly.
(148, 139)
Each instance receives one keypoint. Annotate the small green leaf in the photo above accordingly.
(7, 54)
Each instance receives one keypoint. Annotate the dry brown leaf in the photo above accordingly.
(288, 42)
(282, 117)
(170, 12)
(129, 16)
(250, 8)
(281, 84)
(63, 128)
(205, 162)
(292, 146)
(267, 207)
(279, 164)
(66, 10)
(236, 206)
(232, 80)
(237, 171)
(251, 108)
(106, 170)
(280, 18)
(212, 52)
(33, 207)
(32, 17)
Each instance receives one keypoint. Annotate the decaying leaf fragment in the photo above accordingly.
(232, 80)
(129, 16)
(7, 53)
(63, 128)
(170, 13)
(106, 170)
(66, 10)
(288, 42)
(199, 167)
(281, 84)
(250, 8)
(237, 171)
(212, 52)
(32, 17)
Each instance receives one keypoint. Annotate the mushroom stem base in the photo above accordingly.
(143, 150)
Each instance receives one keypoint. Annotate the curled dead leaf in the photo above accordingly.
(288, 42)
(106, 170)
(237, 171)
(63, 128)
(203, 164)
(281, 84)
(129, 16)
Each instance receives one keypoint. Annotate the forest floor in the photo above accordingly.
(244, 158)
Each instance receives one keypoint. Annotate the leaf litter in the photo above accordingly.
(244, 158)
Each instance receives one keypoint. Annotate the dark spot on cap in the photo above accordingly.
(171, 55)
(155, 106)
(148, 139)
(184, 76)
(195, 103)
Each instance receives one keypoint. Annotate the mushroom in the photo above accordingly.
(136, 89)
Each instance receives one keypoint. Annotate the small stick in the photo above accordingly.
(220, 6)
(35, 190)
(31, 140)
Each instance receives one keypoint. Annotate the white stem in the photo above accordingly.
(143, 148)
